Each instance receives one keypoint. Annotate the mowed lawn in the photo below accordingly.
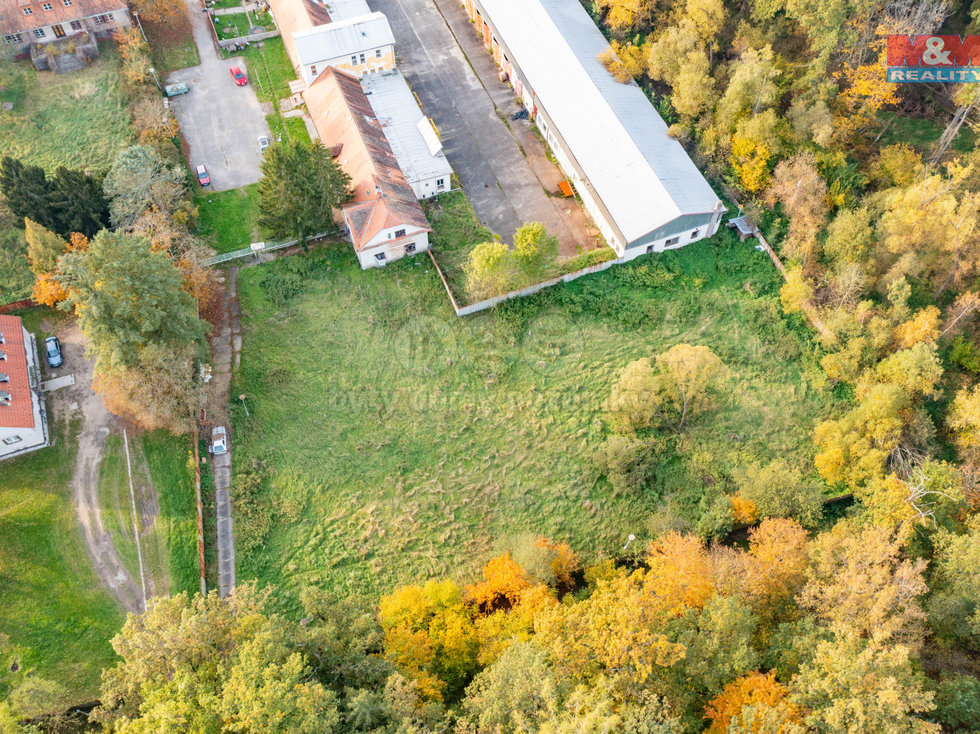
(56, 620)
(402, 443)
(78, 120)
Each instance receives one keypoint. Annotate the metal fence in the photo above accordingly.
(258, 248)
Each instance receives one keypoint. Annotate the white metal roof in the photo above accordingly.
(343, 38)
(344, 9)
(643, 176)
(396, 108)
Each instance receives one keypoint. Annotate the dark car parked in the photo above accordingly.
(52, 350)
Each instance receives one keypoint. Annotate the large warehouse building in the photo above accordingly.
(641, 188)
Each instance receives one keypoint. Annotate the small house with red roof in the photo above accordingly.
(23, 424)
(383, 217)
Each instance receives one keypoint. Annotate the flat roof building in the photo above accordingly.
(640, 186)
(384, 217)
(410, 134)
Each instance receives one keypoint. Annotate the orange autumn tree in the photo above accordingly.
(47, 290)
(776, 562)
(756, 690)
(564, 562)
(503, 579)
(504, 627)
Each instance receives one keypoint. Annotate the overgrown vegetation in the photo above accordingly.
(436, 437)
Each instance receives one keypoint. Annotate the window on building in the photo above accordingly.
(28, 11)
(409, 248)
(76, 25)
(312, 69)
(441, 183)
(377, 53)
(399, 233)
(12, 440)
(38, 33)
(103, 19)
(362, 58)
(649, 249)
(353, 60)
(672, 241)
(68, 3)
(46, 6)
(380, 257)
(12, 38)
(695, 233)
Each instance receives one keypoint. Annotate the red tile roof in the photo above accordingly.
(20, 412)
(343, 116)
(13, 20)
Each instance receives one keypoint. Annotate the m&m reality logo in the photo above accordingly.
(933, 59)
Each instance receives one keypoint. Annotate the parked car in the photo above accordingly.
(239, 76)
(219, 441)
(173, 90)
(264, 143)
(202, 175)
(52, 350)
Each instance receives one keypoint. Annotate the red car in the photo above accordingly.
(202, 175)
(239, 76)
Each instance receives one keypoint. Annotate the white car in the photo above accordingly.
(264, 143)
(219, 441)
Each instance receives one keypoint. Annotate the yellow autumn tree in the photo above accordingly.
(501, 629)
(679, 572)
(430, 636)
(48, 291)
(564, 562)
(922, 327)
(751, 163)
(775, 564)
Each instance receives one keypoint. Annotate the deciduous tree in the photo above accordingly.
(44, 247)
(140, 180)
(534, 249)
(755, 690)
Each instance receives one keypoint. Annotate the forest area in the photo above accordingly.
(778, 612)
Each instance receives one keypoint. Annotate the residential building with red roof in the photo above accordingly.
(23, 425)
(384, 217)
(24, 23)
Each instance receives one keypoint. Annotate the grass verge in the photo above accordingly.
(270, 70)
(400, 443)
(455, 232)
(77, 120)
(172, 44)
(229, 220)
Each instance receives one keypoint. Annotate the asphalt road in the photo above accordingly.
(499, 182)
(221, 121)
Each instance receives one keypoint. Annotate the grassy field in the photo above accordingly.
(117, 515)
(232, 25)
(229, 219)
(172, 44)
(455, 231)
(401, 443)
(56, 619)
(173, 478)
(78, 120)
(269, 69)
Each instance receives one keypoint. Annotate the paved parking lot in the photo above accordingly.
(220, 121)
(498, 180)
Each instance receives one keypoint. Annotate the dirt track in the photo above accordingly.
(96, 424)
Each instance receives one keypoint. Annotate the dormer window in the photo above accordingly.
(3, 356)
(4, 397)
(1, 339)
(4, 377)
(28, 11)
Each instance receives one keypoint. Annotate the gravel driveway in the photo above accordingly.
(221, 121)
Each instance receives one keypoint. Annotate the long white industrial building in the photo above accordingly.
(640, 186)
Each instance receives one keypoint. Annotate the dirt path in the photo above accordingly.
(96, 423)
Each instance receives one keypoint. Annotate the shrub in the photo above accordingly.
(627, 463)
(253, 517)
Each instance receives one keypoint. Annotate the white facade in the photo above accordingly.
(361, 45)
(389, 245)
(409, 133)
